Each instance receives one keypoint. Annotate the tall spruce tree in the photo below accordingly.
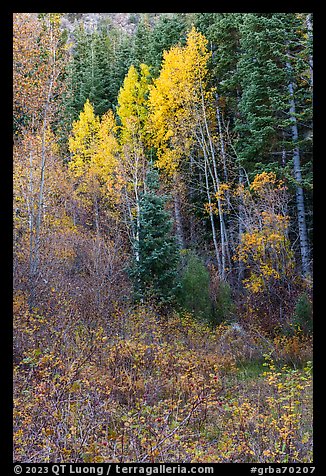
(155, 273)
(99, 63)
(275, 104)
(298, 66)
(142, 38)
(222, 31)
(167, 32)
(263, 101)
(121, 54)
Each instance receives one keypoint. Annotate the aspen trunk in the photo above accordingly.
(309, 29)
(137, 205)
(303, 235)
(38, 221)
(221, 137)
(35, 243)
(137, 222)
(223, 230)
(240, 227)
(191, 194)
(217, 253)
(30, 202)
(178, 220)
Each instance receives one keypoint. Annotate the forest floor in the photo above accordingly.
(142, 388)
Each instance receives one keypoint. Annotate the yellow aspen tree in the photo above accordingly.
(175, 99)
(104, 163)
(93, 166)
(83, 141)
(180, 119)
(132, 105)
(93, 146)
(134, 139)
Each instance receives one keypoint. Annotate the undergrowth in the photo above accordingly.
(144, 388)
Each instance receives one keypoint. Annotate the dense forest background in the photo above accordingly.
(163, 230)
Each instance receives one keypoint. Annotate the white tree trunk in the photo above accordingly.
(240, 226)
(303, 235)
(309, 29)
(137, 221)
(217, 253)
(36, 242)
(221, 138)
(178, 220)
(223, 230)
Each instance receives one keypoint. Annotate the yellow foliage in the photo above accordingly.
(94, 148)
(222, 190)
(175, 100)
(132, 105)
(133, 132)
(265, 247)
(262, 180)
(84, 138)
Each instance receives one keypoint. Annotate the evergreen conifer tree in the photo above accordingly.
(99, 63)
(167, 32)
(155, 272)
(194, 291)
(275, 104)
(263, 101)
(142, 37)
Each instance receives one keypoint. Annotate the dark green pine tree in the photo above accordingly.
(154, 273)
(78, 80)
(263, 105)
(99, 63)
(275, 105)
(298, 60)
(272, 56)
(121, 58)
(167, 32)
(223, 33)
(299, 75)
(142, 38)
(101, 81)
